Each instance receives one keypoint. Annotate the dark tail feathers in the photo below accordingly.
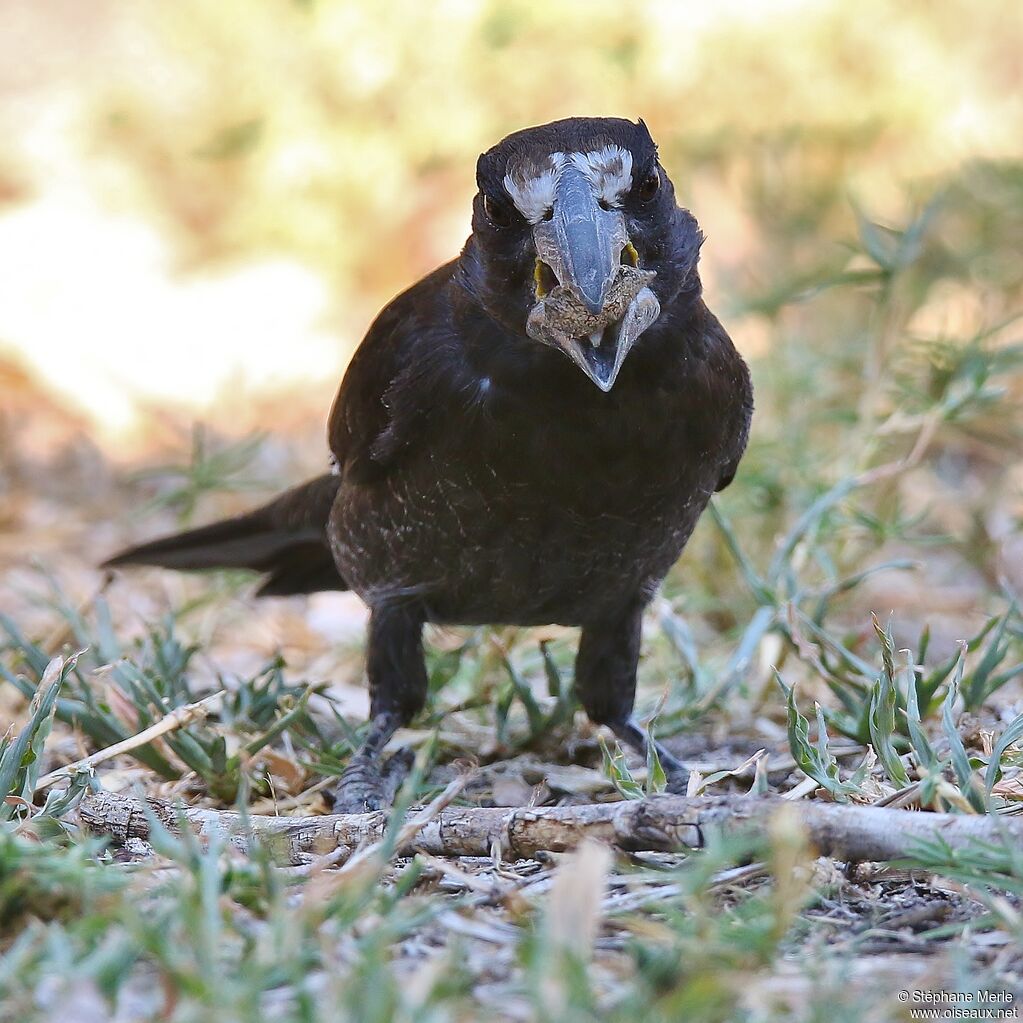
(285, 539)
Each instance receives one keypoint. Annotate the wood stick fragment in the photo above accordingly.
(177, 718)
(372, 855)
(657, 824)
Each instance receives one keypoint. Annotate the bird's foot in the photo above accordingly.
(677, 781)
(369, 783)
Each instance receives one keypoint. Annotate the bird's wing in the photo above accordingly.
(739, 439)
(391, 385)
(736, 400)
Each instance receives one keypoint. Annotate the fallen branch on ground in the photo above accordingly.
(659, 823)
(371, 857)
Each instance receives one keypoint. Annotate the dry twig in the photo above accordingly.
(177, 718)
(660, 824)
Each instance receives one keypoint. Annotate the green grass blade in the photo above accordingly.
(1013, 733)
(960, 761)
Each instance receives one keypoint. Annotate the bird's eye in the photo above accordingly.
(499, 213)
(648, 187)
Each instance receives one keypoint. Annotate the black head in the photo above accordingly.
(577, 240)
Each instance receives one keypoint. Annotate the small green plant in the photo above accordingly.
(542, 721)
(814, 758)
(616, 769)
(210, 469)
(21, 754)
(947, 780)
(49, 881)
(111, 693)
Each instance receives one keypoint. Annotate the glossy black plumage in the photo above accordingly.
(504, 487)
(482, 478)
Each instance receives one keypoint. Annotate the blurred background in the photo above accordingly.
(199, 203)
(202, 207)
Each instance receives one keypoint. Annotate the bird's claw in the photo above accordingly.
(369, 784)
(677, 782)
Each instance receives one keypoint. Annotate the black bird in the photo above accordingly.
(527, 436)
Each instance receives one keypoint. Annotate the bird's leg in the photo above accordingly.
(605, 681)
(397, 692)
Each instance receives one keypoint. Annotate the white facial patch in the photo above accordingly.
(532, 188)
(608, 170)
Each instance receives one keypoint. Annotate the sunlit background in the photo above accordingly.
(200, 202)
